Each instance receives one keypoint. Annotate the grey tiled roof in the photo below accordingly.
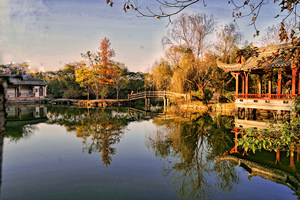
(252, 63)
(23, 80)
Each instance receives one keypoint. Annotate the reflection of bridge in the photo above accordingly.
(268, 173)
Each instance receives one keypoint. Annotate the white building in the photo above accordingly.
(25, 88)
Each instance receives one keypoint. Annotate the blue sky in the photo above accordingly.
(50, 33)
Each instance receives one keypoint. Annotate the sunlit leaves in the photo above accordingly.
(283, 137)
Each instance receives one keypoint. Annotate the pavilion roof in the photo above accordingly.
(23, 80)
(252, 62)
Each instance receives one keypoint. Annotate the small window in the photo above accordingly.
(36, 90)
(241, 100)
(255, 101)
(267, 101)
(285, 102)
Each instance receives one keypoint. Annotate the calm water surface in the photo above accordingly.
(72, 153)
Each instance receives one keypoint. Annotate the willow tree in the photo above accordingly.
(161, 74)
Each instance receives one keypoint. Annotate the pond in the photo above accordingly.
(73, 153)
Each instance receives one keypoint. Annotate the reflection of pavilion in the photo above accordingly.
(269, 173)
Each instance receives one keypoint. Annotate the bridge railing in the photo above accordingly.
(156, 94)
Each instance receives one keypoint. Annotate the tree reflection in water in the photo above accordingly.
(15, 133)
(99, 129)
(191, 148)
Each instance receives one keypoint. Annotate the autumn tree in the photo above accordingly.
(83, 77)
(190, 31)
(161, 74)
(103, 69)
(173, 55)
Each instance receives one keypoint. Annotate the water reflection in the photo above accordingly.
(194, 150)
(191, 148)
(20, 120)
(276, 166)
(100, 129)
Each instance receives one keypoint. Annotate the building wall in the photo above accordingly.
(265, 104)
(37, 91)
(11, 92)
(26, 91)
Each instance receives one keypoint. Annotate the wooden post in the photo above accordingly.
(279, 83)
(294, 71)
(243, 89)
(247, 82)
(165, 104)
(277, 157)
(237, 83)
(146, 104)
(19, 94)
(259, 83)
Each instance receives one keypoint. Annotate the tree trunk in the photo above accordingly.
(202, 92)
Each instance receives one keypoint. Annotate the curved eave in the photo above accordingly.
(230, 67)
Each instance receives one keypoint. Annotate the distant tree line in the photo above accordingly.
(97, 75)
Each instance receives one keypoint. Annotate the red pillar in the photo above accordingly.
(277, 157)
(243, 89)
(294, 72)
(237, 83)
(292, 164)
(279, 83)
(234, 149)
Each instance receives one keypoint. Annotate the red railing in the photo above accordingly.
(267, 96)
